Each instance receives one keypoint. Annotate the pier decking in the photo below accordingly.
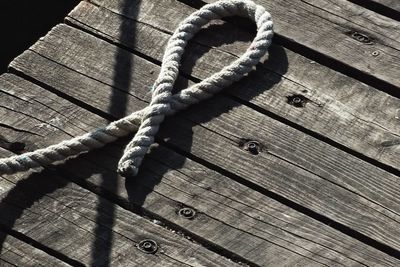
(318, 187)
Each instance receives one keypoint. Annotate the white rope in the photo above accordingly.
(147, 121)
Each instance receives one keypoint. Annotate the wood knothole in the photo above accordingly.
(360, 37)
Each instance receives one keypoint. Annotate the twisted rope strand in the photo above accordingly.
(146, 122)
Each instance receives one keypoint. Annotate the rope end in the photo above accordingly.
(127, 169)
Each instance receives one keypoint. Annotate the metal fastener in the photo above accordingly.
(186, 212)
(362, 38)
(148, 246)
(298, 101)
(253, 147)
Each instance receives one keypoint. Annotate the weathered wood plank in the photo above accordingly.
(260, 221)
(363, 17)
(229, 214)
(91, 230)
(15, 252)
(299, 167)
(338, 107)
(300, 22)
(67, 218)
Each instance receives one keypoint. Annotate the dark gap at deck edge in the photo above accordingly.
(32, 242)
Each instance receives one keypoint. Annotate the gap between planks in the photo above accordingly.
(81, 166)
(354, 118)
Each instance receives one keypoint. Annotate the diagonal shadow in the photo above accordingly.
(29, 190)
(138, 188)
(104, 161)
(118, 106)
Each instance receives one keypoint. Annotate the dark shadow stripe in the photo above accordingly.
(139, 210)
(378, 8)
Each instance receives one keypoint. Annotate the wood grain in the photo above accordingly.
(299, 167)
(319, 30)
(15, 252)
(229, 214)
(66, 217)
(375, 23)
(338, 107)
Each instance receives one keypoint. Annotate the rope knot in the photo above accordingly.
(147, 121)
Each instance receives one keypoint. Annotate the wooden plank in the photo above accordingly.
(299, 167)
(15, 252)
(91, 230)
(67, 218)
(360, 16)
(229, 214)
(316, 29)
(338, 107)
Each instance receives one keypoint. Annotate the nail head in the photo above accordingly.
(297, 100)
(253, 147)
(187, 212)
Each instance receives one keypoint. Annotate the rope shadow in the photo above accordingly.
(149, 177)
(137, 188)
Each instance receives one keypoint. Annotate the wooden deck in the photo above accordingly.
(321, 188)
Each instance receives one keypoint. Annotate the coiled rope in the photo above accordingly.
(147, 121)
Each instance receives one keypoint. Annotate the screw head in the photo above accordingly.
(148, 246)
(187, 213)
(362, 38)
(297, 100)
(253, 147)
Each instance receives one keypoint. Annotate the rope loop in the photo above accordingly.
(147, 121)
